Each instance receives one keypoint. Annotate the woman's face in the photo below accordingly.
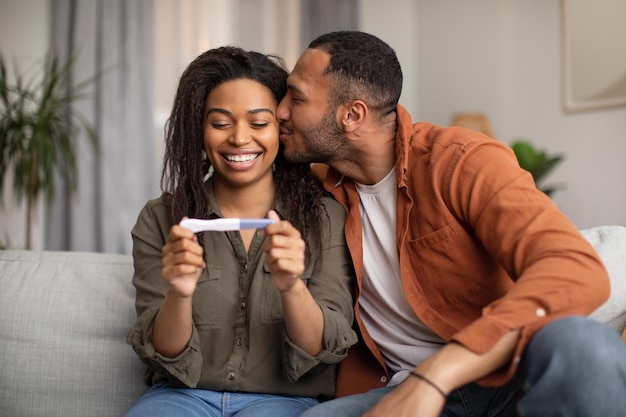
(241, 132)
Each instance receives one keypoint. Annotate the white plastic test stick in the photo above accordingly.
(224, 224)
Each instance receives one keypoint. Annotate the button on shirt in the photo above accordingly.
(238, 341)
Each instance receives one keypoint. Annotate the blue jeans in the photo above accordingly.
(164, 401)
(573, 367)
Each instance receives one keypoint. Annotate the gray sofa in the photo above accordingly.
(64, 318)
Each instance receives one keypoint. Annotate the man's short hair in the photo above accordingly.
(363, 67)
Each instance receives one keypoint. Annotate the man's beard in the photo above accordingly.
(322, 142)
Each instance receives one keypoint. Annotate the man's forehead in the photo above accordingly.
(310, 67)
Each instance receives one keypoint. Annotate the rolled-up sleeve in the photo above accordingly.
(149, 236)
(185, 368)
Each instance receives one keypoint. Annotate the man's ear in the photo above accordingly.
(353, 114)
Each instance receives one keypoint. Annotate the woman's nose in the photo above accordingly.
(241, 135)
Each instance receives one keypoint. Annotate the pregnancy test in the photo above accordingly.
(224, 224)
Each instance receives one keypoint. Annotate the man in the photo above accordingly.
(472, 286)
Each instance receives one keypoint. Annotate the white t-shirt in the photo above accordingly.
(402, 338)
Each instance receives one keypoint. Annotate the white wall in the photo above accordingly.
(24, 34)
(503, 58)
(395, 22)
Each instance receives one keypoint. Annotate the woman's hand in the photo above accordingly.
(182, 264)
(284, 253)
(182, 261)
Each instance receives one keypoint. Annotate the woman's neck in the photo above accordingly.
(253, 201)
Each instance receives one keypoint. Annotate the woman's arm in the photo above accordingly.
(150, 235)
(284, 254)
(181, 267)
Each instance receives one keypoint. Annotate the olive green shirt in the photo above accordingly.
(239, 342)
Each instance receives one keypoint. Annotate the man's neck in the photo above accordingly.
(372, 156)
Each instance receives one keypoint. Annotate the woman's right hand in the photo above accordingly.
(182, 261)
(181, 267)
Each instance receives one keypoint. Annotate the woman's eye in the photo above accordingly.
(217, 125)
(259, 125)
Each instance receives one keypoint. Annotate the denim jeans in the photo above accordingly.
(573, 367)
(164, 401)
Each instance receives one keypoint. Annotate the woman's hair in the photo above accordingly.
(363, 67)
(185, 165)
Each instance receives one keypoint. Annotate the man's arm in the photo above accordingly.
(451, 367)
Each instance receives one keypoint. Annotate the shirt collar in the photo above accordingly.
(214, 211)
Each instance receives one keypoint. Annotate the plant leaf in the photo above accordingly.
(537, 162)
(39, 129)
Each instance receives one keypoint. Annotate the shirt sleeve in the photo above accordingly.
(330, 285)
(556, 271)
(149, 235)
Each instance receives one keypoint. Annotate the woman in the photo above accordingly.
(248, 322)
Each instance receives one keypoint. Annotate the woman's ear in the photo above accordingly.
(353, 114)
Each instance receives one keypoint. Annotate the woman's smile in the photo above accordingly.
(241, 161)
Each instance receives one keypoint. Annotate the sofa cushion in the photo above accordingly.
(610, 243)
(64, 320)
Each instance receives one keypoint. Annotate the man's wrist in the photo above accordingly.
(436, 387)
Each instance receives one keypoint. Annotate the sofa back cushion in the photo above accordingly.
(610, 243)
(64, 317)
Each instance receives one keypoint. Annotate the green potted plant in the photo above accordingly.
(38, 131)
(537, 162)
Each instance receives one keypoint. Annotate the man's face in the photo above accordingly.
(309, 127)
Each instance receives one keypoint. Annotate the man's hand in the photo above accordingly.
(451, 367)
(412, 398)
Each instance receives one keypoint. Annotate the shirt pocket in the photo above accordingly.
(271, 304)
(437, 240)
(208, 299)
(430, 256)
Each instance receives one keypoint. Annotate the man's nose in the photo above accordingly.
(282, 111)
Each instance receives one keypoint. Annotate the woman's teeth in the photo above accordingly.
(241, 158)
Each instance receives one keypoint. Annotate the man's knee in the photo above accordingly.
(577, 341)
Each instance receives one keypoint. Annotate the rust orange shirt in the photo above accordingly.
(481, 249)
